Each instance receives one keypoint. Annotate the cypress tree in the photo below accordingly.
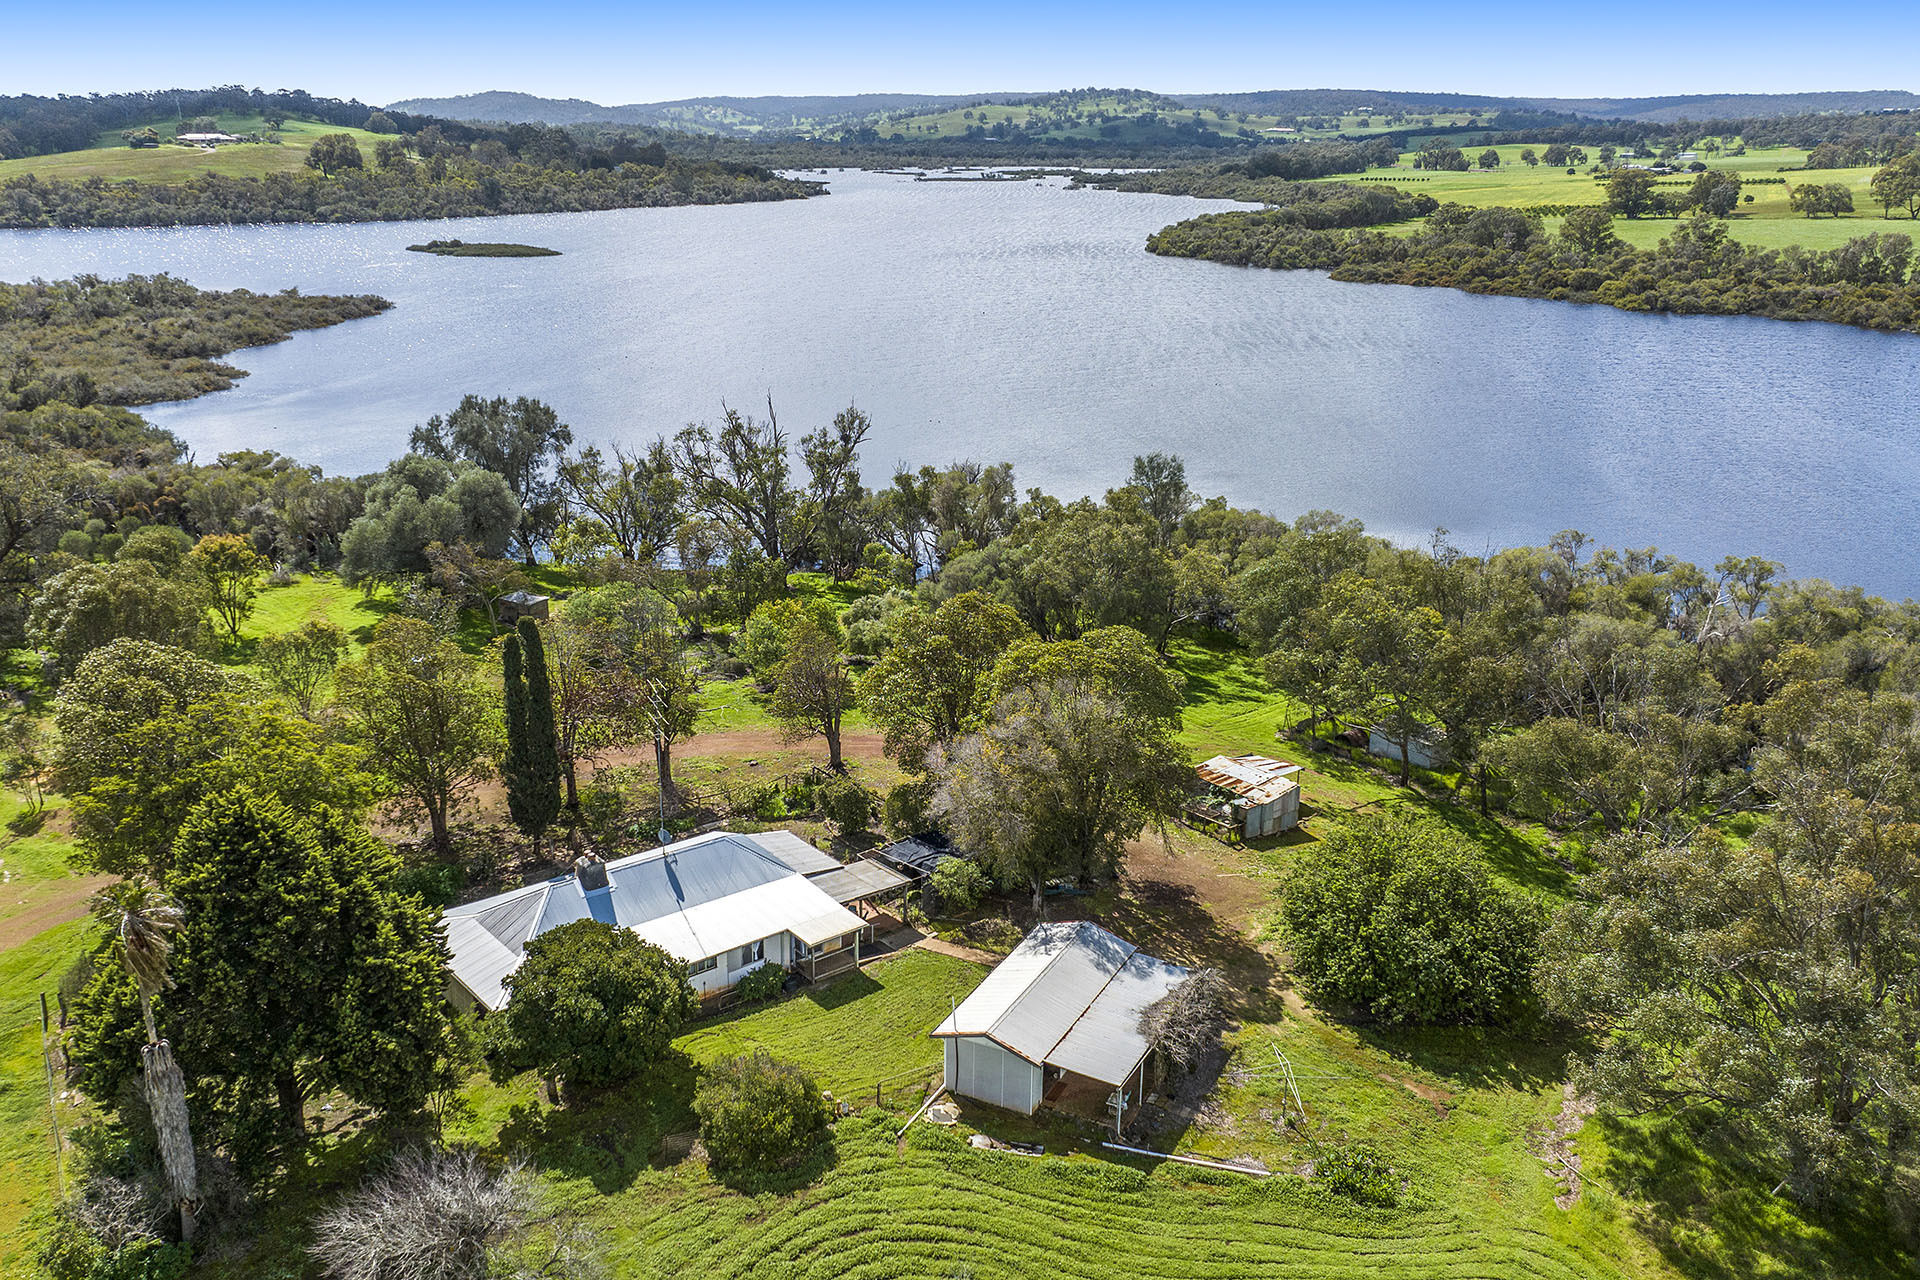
(542, 750)
(514, 770)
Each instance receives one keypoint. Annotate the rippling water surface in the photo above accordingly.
(1022, 321)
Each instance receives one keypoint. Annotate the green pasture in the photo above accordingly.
(110, 157)
(1768, 222)
(955, 122)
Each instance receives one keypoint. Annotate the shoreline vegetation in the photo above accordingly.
(1378, 233)
(482, 249)
(1698, 269)
(145, 339)
(466, 189)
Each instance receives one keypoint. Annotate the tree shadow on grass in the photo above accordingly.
(608, 1137)
(1172, 922)
(781, 1180)
(1712, 1214)
(1508, 853)
(1527, 1059)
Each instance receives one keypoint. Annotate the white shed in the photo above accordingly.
(1064, 1006)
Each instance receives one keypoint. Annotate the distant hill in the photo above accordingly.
(1308, 102)
(726, 115)
(743, 117)
(1731, 106)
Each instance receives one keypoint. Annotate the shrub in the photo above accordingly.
(1401, 918)
(1359, 1173)
(846, 804)
(763, 983)
(958, 885)
(756, 1110)
(591, 1004)
(908, 806)
(436, 884)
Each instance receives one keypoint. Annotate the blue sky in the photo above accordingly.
(612, 52)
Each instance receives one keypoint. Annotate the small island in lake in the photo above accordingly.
(461, 249)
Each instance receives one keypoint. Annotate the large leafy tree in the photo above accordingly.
(740, 475)
(1771, 982)
(590, 1005)
(1388, 646)
(632, 502)
(297, 968)
(1401, 918)
(85, 607)
(813, 688)
(1062, 775)
(147, 732)
(419, 501)
(930, 684)
(522, 441)
(426, 722)
(232, 569)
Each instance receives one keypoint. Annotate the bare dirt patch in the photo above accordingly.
(42, 906)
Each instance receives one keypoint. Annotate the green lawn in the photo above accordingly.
(28, 1183)
(855, 1032)
(110, 157)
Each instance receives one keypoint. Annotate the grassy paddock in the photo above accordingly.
(1767, 223)
(110, 157)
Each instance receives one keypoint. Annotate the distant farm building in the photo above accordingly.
(1058, 1023)
(205, 139)
(1247, 797)
(1280, 129)
(724, 904)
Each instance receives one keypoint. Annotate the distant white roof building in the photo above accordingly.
(206, 139)
(1067, 1000)
(725, 904)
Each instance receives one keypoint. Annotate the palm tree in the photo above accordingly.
(140, 916)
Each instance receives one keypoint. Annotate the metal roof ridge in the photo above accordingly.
(1079, 929)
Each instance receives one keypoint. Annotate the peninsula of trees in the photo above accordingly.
(144, 339)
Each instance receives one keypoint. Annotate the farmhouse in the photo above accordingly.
(1247, 797)
(205, 139)
(1058, 1022)
(725, 904)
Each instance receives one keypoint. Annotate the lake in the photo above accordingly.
(1022, 321)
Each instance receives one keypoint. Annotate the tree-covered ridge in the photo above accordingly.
(400, 192)
(1699, 269)
(145, 338)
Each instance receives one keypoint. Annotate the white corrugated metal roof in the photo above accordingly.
(793, 905)
(711, 891)
(1048, 1000)
(1106, 1043)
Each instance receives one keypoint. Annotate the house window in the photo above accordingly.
(707, 965)
(752, 953)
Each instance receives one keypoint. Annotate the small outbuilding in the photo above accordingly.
(1247, 797)
(1426, 747)
(516, 605)
(1058, 1023)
